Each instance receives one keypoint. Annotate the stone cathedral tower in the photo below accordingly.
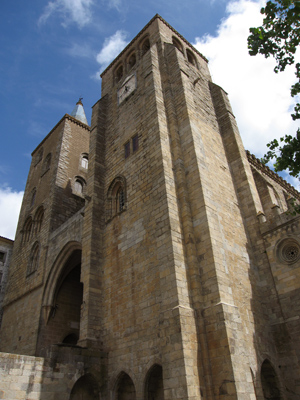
(154, 257)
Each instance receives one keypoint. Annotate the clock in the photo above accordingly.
(128, 86)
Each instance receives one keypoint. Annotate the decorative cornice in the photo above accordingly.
(267, 171)
(82, 124)
(157, 16)
(66, 116)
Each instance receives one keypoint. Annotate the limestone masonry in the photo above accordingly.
(154, 258)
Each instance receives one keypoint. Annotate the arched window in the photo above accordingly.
(46, 164)
(39, 216)
(131, 60)
(79, 185)
(84, 162)
(27, 229)
(119, 73)
(145, 46)
(120, 200)
(33, 259)
(191, 58)
(33, 195)
(116, 197)
(177, 44)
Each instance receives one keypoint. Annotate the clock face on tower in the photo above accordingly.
(128, 86)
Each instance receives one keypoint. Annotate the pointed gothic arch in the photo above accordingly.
(56, 275)
(62, 300)
(86, 387)
(154, 389)
(27, 230)
(124, 389)
(269, 381)
(116, 197)
(38, 219)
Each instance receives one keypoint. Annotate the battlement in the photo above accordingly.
(257, 163)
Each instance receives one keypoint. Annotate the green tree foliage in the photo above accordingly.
(279, 36)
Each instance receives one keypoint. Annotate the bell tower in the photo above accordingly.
(154, 257)
(54, 193)
(167, 264)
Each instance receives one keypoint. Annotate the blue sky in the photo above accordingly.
(52, 52)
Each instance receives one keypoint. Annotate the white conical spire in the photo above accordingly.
(79, 113)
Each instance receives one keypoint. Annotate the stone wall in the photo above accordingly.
(36, 378)
(182, 288)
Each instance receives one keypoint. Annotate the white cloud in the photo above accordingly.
(77, 11)
(10, 204)
(260, 98)
(115, 4)
(111, 48)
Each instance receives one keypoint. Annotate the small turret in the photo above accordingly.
(78, 112)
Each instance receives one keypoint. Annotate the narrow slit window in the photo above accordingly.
(120, 199)
(135, 143)
(34, 259)
(27, 230)
(39, 219)
(127, 149)
(33, 195)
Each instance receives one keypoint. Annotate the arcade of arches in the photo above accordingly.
(86, 387)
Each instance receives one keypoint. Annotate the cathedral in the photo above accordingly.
(154, 258)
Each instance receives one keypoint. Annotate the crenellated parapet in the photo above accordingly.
(256, 162)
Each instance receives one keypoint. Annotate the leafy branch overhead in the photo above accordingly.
(279, 36)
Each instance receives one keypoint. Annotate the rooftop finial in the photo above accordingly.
(79, 101)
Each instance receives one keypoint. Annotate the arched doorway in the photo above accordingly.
(62, 302)
(154, 384)
(125, 388)
(85, 388)
(269, 382)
